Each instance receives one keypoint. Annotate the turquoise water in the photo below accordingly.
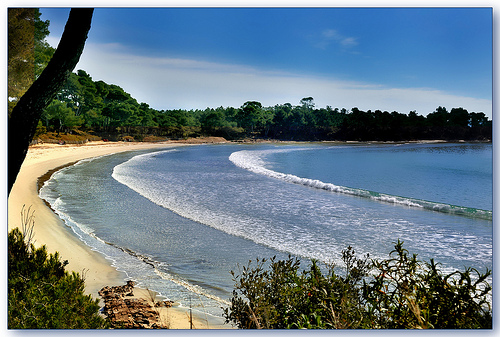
(178, 220)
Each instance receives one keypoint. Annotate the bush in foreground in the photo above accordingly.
(400, 292)
(42, 295)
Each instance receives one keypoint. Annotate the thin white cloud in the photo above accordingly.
(169, 83)
(349, 42)
(332, 36)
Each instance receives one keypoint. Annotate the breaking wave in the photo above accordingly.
(253, 162)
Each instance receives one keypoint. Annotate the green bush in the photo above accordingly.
(41, 294)
(400, 292)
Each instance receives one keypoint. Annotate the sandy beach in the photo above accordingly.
(51, 231)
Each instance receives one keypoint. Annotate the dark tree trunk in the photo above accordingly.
(27, 112)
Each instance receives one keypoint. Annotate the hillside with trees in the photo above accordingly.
(108, 111)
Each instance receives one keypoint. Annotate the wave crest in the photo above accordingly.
(253, 162)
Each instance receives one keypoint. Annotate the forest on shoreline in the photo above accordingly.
(107, 111)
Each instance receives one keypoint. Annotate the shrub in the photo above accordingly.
(400, 292)
(406, 293)
(41, 294)
(126, 138)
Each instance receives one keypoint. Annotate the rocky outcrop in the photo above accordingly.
(127, 312)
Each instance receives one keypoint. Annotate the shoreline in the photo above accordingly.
(41, 162)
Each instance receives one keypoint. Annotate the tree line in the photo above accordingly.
(108, 110)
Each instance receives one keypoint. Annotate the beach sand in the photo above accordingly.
(51, 231)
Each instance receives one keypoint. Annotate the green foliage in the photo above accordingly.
(41, 294)
(28, 52)
(407, 293)
(400, 292)
(284, 297)
(60, 114)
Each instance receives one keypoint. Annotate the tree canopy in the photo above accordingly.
(107, 109)
(28, 52)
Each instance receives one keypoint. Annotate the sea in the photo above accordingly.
(178, 220)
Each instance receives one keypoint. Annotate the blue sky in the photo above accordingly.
(390, 59)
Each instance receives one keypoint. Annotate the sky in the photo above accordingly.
(393, 59)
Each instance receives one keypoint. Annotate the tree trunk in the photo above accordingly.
(27, 112)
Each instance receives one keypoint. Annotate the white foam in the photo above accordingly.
(253, 162)
(191, 287)
(130, 173)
